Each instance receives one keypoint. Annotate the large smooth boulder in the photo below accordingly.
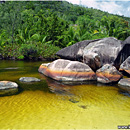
(74, 52)
(8, 88)
(29, 79)
(124, 53)
(108, 74)
(66, 70)
(101, 52)
(125, 84)
(125, 66)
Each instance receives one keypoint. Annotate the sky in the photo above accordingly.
(120, 7)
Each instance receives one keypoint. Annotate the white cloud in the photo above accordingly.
(110, 6)
(74, 1)
(128, 9)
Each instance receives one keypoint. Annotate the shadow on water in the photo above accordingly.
(65, 88)
(33, 86)
(121, 90)
(65, 91)
(125, 93)
(124, 90)
(56, 87)
(9, 92)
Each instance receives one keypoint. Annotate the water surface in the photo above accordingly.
(51, 105)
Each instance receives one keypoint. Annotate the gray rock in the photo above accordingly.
(94, 53)
(8, 88)
(67, 71)
(108, 74)
(74, 52)
(101, 52)
(29, 79)
(124, 53)
(125, 84)
(125, 66)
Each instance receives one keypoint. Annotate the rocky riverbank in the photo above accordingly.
(103, 60)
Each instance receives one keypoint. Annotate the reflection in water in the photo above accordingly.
(57, 87)
(52, 105)
(65, 91)
(124, 90)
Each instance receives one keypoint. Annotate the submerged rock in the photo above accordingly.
(101, 52)
(125, 84)
(66, 70)
(12, 68)
(29, 79)
(108, 74)
(8, 88)
(74, 52)
(125, 66)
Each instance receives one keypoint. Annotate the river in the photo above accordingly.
(52, 105)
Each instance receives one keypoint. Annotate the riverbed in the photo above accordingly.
(52, 105)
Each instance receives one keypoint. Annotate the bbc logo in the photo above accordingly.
(124, 127)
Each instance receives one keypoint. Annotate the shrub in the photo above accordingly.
(47, 50)
(29, 51)
(21, 57)
(10, 51)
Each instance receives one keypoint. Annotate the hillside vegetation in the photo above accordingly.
(38, 29)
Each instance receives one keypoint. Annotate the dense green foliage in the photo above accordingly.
(33, 29)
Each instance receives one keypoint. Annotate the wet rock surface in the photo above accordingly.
(124, 84)
(108, 74)
(8, 88)
(125, 66)
(29, 79)
(66, 70)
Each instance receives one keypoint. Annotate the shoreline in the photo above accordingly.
(35, 59)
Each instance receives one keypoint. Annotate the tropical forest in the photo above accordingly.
(36, 30)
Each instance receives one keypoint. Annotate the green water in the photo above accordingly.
(51, 105)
